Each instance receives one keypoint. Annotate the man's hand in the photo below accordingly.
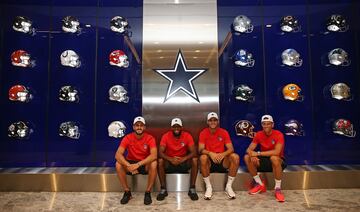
(133, 167)
(175, 161)
(255, 161)
(253, 154)
(219, 157)
(216, 157)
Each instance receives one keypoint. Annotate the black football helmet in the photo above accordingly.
(19, 130)
(289, 24)
(70, 24)
(68, 94)
(23, 24)
(337, 23)
(294, 128)
(69, 129)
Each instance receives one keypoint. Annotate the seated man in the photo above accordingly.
(214, 157)
(269, 158)
(177, 154)
(141, 158)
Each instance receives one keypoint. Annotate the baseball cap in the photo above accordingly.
(139, 118)
(267, 118)
(212, 115)
(176, 121)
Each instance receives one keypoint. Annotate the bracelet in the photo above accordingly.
(138, 163)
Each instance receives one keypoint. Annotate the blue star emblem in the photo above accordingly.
(180, 78)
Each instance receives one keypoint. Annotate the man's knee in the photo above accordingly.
(246, 158)
(161, 162)
(118, 167)
(194, 161)
(234, 158)
(275, 160)
(204, 159)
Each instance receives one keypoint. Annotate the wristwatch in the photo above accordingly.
(258, 152)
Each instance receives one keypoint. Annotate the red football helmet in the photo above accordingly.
(19, 93)
(21, 58)
(118, 58)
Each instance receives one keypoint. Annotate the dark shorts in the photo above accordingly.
(265, 164)
(181, 168)
(141, 169)
(218, 168)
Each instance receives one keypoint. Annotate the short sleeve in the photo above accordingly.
(151, 142)
(190, 140)
(124, 142)
(227, 137)
(256, 139)
(202, 137)
(163, 140)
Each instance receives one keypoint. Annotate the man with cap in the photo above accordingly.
(269, 158)
(217, 155)
(141, 158)
(177, 154)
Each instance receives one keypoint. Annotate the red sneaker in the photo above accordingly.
(258, 189)
(279, 195)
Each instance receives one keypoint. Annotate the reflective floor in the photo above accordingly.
(296, 200)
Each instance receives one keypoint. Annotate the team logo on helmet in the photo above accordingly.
(69, 129)
(23, 24)
(337, 23)
(19, 93)
(242, 24)
(118, 58)
(119, 24)
(339, 57)
(243, 58)
(19, 130)
(291, 57)
(22, 59)
(294, 128)
(344, 127)
(292, 92)
(118, 93)
(116, 129)
(70, 24)
(68, 93)
(244, 93)
(341, 91)
(289, 24)
(244, 128)
(70, 58)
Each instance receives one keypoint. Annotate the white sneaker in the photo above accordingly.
(230, 193)
(208, 193)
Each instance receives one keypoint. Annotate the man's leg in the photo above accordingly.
(193, 174)
(231, 162)
(162, 178)
(276, 162)
(259, 186)
(151, 168)
(205, 172)
(121, 173)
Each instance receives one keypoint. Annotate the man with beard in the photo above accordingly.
(177, 154)
(141, 158)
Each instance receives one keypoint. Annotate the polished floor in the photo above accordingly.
(296, 200)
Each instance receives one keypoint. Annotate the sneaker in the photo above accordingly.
(147, 198)
(161, 196)
(126, 197)
(258, 189)
(208, 193)
(230, 193)
(192, 194)
(279, 195)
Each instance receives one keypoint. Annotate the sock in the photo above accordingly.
(230, 181)
(257, 179)
(277, 184)
(207, 181)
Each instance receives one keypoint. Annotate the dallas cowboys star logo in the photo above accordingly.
(180, 78)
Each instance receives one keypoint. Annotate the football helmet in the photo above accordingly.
(119, 24)
(343, 127)
(242, 24)
(19, 130)
(116, 129)
(337, 23)
(70, 58)
(21, 58)
(244, 93)
(69, 129)
(339, 57)
(291, 57)
(244, 128)
(244, 58)
(289, 24)
(19, 93)
(294, 127)
(118, 58)
(340, 91)
(68, 94)
(292, 92)
(70, 24)
(23, 24)
(118, 93)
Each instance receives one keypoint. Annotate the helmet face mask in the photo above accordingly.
(337, 23)
(244, 93)
(242, 24)
(339, 57)
(118, 93)
(244, 58)
(291, 57)
(119, 24)
(69, 129)
(118, 58)
(341, 91)
(19, 130)
(344, 127)
(289, 24)
(68, 94)
(244, 128)
(294, 128)
(116, 129)
(70, 58)
(292, 92)
(70, 24)
(23, 24)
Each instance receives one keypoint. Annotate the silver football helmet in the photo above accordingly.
(70, 58)
(242, 24)
(339, 57)
(118, 93)
(340, 91)
(291, 57)
(69, 129)
(116, 129)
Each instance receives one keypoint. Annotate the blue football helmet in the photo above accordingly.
(243, 58)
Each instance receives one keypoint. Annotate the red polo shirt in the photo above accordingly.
(176, 146)
(214, 142)
(138, 149)
(269, 142)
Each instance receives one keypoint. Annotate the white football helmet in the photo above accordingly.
(118, 93)
(70, 58)
(242, 24)
(291, 57)
(339, 57)
(116, 129)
